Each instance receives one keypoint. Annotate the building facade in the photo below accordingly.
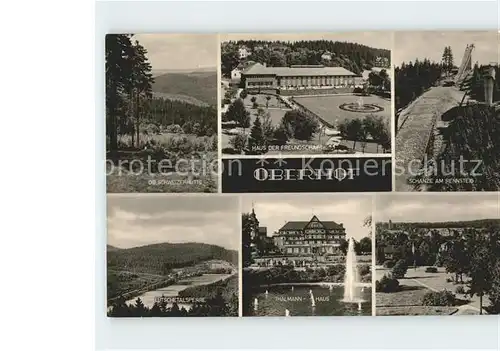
(260, 76)
(244, 52)
(313, 237)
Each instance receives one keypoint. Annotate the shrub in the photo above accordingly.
(460, 290)
(431, 270)
(388, 264)
(280, 135)
(243, 94)
(255, 105)
(399, 269)
(366, 278)
(301, 126)
(449, 280)
(226, 101)
(387, 284)
(338, 269)
(238, 142)
(439, 298)
(364, 269)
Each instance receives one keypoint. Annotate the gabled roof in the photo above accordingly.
(300, 225)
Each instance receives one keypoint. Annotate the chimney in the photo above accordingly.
(489, 82)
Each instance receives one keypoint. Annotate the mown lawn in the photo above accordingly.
(410, 296)
(327, 107)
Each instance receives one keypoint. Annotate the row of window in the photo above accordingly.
(310, 231)
(292, 250)
(316, 236)
(310, 242)
(321, 78)
(260, 84)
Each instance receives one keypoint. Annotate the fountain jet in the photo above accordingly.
(287, 313)
(255, 304)
(313, 302)
(351, 280)
(360, 102)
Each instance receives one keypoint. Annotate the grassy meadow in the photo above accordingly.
(194, 156)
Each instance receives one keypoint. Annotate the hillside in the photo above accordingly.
(479, 223)
(351, 56)
(181, 98)
(111, 248)
(200, 86)
(159, 258)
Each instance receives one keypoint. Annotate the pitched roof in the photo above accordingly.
(259, 69)
(300, 225)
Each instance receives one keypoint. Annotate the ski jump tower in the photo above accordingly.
(465, 66)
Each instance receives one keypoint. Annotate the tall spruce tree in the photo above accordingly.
(117, 56)
(256, 141)
(447, 59)
(139, 86)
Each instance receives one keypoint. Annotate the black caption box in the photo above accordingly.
(308, 174)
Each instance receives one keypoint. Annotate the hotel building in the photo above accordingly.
(260, 76)
(312, 237)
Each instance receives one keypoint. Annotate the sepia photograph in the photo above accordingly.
(437, 254)
(306, 93)
(307, 255)
(172, 255)
(447, 111)
(161, 113)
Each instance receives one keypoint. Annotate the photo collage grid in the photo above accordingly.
(311, 174)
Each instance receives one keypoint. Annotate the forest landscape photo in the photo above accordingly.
(161, 114)
(172, 257)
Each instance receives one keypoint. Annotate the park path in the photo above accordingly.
(416, 123)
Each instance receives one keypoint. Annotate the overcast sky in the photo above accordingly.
(136, 220)
(180, 51)
(423, 44)
(379, 40)
(436, 207)
(273, 211)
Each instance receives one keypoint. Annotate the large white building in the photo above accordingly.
(293, 77)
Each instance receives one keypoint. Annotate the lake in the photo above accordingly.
(298, 301)
(148, 298)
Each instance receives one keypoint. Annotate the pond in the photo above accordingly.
(328, 301)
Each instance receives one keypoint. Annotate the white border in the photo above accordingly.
(326, 332)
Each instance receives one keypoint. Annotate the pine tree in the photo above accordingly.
(140, 309)
(155, 310)
(256, 141)
(118, 47)
(139, 86)
(447, 59)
